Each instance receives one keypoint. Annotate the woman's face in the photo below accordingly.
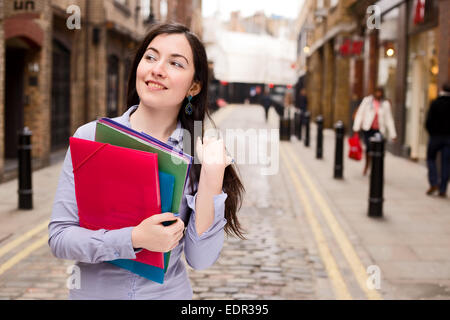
(166, 71)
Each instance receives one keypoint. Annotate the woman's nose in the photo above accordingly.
(158, 69)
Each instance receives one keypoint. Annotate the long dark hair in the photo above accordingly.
(232, 185)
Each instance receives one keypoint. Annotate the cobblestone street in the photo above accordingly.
(291, 251)
(273, 263)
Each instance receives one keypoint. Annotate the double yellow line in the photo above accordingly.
(22, 254)
(339, 285)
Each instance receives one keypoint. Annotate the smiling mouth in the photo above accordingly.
(154, 85)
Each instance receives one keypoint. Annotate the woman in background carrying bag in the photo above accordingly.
(374, 115)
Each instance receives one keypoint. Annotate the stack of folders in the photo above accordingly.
(124, 177)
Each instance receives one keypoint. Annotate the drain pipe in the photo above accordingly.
(86, 61)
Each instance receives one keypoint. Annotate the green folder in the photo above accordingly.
(170, 160)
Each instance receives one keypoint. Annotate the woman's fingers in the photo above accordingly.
(179, 236)
(176, 227)
(212, 151)
(174, 246)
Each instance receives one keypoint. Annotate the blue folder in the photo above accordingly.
(166, 184)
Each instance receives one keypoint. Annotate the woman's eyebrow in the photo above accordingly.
(176, 55)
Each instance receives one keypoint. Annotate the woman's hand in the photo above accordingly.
(213, 155)
(150, 234)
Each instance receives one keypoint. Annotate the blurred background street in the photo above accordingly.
(274, 68)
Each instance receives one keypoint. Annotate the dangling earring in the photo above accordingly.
(188, 108)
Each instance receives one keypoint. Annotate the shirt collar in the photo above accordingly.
(176, 137)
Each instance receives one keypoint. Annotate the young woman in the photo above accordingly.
(167, 91)
(373, 116)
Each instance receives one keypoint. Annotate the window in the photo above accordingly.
(388, 46)
(146, 8)
(163, 10)
(112, 86)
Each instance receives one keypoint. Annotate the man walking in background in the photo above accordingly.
(302, 101)
(266, 102)
(438, 127)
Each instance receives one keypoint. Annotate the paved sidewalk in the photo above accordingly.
(411, 242)
(31, 273)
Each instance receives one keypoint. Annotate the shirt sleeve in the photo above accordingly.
(359, 116)
(68, 240)
(202, 251)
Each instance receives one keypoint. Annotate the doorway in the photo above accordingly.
(60, 124)
(421, 89)
(112, 87)
(14, 95)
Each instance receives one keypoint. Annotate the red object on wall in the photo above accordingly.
(420, 12)
(270, 85)
(357, 47)
(345, 47)
(349, 47)
(224, 83)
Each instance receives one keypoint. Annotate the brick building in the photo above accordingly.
(347, 48)
(323, 26)
(64, 63)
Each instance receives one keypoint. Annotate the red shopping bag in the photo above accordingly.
(355, 151)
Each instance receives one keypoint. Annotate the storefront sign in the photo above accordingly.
(351, 47)
(15, 7)
(419, 14)
(20, 5)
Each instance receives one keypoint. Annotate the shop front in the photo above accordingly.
(408, 69)
(422, 73)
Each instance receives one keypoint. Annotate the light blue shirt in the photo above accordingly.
(102, 280)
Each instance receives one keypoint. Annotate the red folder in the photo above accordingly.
(116, 187)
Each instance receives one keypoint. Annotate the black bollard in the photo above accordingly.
(339, 150)
(285, 129)
(300, 125)
(319, 145)
(306, 119)
(297, 125)
(25, 185)
(376, 176)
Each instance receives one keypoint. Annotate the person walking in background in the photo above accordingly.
(288, 102)
(266, 102)
(302, 101)
(374, 115)
(438, 127)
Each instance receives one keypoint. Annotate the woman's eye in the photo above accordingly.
(176, 64)
(150, 57)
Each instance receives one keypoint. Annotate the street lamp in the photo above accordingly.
(390, 52)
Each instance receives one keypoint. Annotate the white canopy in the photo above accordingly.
(252, 58)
